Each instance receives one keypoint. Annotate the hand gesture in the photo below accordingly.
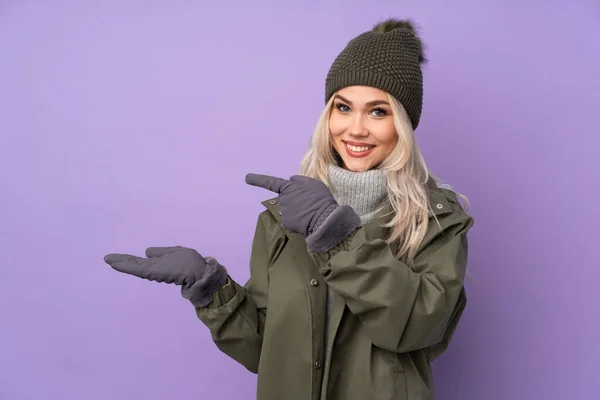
(303, 201)
(177, 265)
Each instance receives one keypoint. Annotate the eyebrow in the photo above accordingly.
(370, 103)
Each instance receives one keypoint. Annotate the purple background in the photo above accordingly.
(130, 124)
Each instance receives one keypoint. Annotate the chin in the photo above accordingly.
(355, 165)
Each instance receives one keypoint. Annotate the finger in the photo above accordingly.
(133, 267)
(113, 258)
(128, 264)
(271, 183)
(158, 251)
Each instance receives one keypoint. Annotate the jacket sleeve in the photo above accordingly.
(402, 308)
(236, 315)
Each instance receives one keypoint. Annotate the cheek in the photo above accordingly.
(336, 127)
(387, 136)
(387, 142)
(393, 139)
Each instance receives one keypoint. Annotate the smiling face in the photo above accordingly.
(362, 127)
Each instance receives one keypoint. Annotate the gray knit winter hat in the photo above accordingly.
(388, 57)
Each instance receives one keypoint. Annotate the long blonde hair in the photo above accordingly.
(407, 174)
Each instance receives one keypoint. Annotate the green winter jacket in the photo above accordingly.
(387, 322)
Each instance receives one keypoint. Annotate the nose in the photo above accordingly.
(358, 127)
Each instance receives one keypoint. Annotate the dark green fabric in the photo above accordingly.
(388, 320)
(388, 57)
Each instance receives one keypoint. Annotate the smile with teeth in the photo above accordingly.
(358, 149)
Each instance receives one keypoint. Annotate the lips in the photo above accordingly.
(357, 149)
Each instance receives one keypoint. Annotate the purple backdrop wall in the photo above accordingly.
(133, 124)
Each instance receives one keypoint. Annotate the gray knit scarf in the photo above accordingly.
(365, 192)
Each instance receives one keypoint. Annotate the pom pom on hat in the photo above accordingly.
(390, 24)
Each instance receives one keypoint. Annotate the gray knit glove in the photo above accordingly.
(308, 207)
(198, 277)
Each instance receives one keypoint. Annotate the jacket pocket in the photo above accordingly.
(400, 392)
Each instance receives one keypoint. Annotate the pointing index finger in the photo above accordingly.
(271, 183)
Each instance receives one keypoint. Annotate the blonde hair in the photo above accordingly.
(407, 174)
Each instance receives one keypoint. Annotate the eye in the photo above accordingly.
(379, 112)
(342, 107)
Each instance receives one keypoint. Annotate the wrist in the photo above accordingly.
(333, 228)
(201, 291)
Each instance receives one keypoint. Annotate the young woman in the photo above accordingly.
(357, 264)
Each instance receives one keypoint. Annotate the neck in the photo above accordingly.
(364, 191)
